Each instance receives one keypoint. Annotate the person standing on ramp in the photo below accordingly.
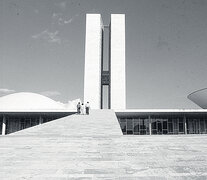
(87, 106)
(78, 108)
(82, 109)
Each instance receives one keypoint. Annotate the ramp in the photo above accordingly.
(98, 123)
(61, 150)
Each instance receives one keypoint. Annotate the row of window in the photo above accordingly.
(141, 126)
(14, 124)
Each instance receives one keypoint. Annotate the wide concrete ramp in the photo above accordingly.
(98, 123)
(91, 148)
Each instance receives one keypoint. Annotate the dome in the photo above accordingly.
(25, 101)
(199, 97)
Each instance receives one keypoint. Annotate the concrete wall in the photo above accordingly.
(93, 55)
(118, 84)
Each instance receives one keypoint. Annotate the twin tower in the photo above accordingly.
(108, 84)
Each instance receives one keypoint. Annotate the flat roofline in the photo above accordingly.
(37, 111)
(148, 112)
(116, 110)
(160, 110)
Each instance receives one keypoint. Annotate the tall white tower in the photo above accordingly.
(93, 59)
(117, 59)
(95, 77)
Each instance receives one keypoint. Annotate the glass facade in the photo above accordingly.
(196, 125)
(1, 121)
(130, 125)
(140, 125)
(134, 125)
(18, 122)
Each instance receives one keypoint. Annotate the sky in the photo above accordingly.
(42, 48)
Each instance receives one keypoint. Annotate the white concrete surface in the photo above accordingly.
(118, 82)
(91, 147)
(93, 54)
(26, 101)
(63, 157)
(199, 97)
(161, 110)
(138, 112)
(98, 122)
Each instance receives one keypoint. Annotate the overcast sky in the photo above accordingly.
(42, 48)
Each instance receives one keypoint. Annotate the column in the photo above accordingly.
(150, 126)
(185, 125)
(40, 120)
(4, 126)
(117, 65)
(93, 59)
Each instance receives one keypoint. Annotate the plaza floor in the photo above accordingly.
(63, 156)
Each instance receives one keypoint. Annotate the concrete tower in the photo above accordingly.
(114, 77)
(93, 58)
(117, 59)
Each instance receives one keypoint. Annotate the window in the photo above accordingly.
(130, 126)
(136, 126)
(123, 125)
(202, 126)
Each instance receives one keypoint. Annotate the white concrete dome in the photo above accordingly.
(25, 101)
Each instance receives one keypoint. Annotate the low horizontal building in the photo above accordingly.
(163, 121)
(23, 110)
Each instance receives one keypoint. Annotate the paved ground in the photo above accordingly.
(52, 156)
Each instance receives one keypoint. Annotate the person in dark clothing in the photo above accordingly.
(87, 106)
(78, 107)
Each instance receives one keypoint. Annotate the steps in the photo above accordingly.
(98, 123)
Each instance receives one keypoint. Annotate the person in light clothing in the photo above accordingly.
(82, 109)
(87, 106)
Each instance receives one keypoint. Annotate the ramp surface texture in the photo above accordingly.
(98, 123)
(69, 148)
